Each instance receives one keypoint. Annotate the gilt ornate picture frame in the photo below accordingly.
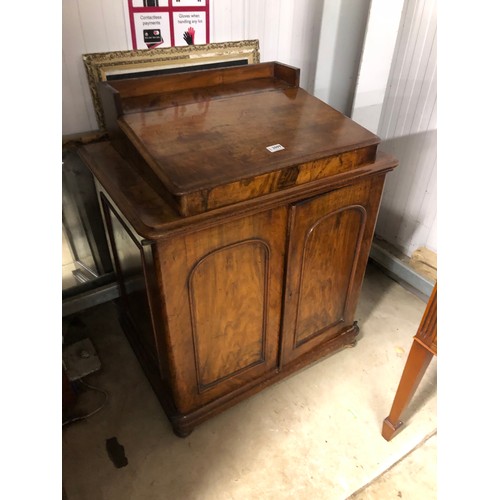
(134, 63)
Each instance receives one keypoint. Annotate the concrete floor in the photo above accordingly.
(315, 435)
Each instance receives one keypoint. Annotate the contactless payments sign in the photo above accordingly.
(168, 23)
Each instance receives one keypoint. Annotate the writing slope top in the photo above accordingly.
(214, 145)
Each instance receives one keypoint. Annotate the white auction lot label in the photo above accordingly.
(275, 147)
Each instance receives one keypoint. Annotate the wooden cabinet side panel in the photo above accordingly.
(330, 239)
(133, 278)
(223, 289)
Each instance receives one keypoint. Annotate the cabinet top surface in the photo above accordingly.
(153, 217)
(212, 142)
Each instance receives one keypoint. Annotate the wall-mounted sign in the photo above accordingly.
(168, 23)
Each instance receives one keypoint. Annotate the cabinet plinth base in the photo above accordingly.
(180, 432)
(183, 425)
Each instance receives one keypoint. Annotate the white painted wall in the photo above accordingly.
(288, 30)
(343, 30)
(380, 41)
(87, 26)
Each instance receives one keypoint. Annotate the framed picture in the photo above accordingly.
(136, 63)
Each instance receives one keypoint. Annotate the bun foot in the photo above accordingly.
(182, 433)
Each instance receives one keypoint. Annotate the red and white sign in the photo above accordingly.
(168, 23)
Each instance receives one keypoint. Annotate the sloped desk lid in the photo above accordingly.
(215, 150)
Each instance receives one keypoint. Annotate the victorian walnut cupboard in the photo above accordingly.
(240, 212)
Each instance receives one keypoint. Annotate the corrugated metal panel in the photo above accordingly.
(408, 128)
(287, 30)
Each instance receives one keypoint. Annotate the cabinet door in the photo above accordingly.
(223, 290)
(330, 238)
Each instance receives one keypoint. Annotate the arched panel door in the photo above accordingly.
(223, 294)
(330, 240)
(228, 290)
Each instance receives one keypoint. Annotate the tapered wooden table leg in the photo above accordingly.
(416, 364)
(423, 349)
